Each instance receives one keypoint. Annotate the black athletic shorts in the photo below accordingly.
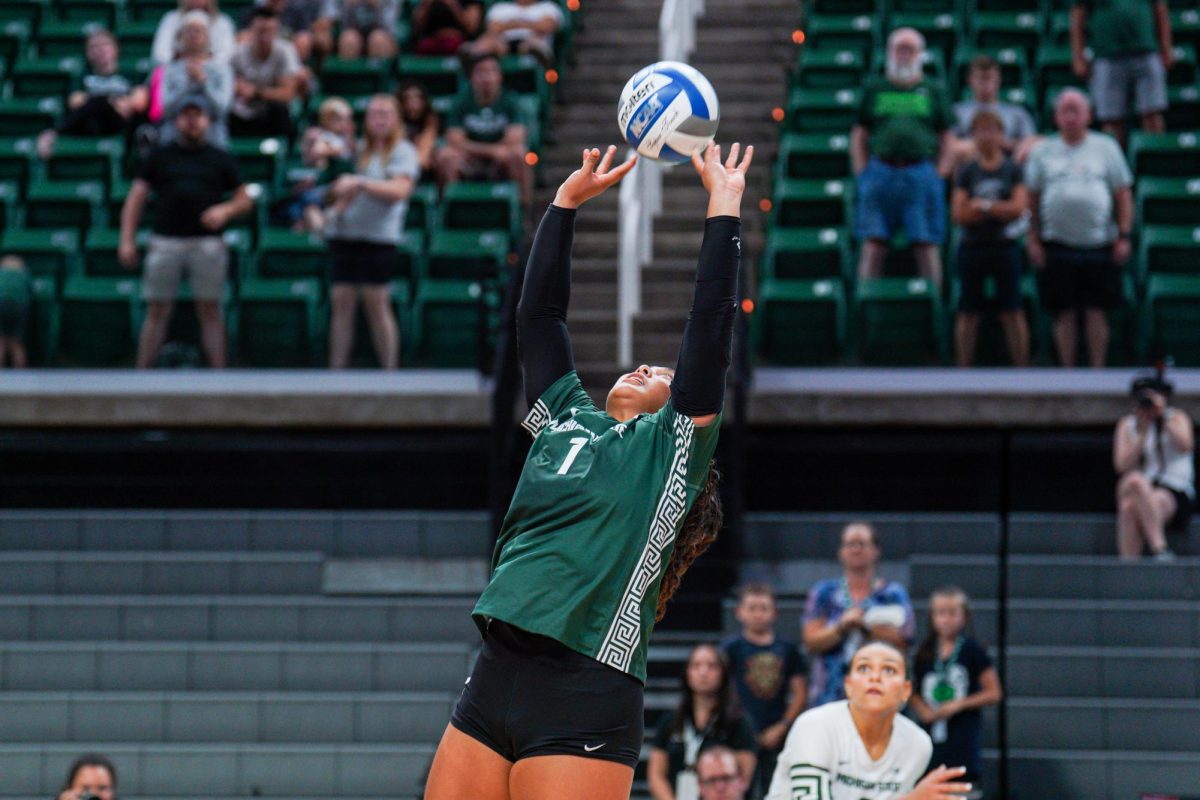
(1184, 506)
(533, 696)
(361, 262)
(1079, 278)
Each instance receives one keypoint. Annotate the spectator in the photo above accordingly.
(1018, 129)
(707, 715)
(769, 673)
(1131, 44)
(108, 102)
(421, 124)
(485, 140)
(519, 27)
(1152, 454)
(194, 71)
(989, 198)
(220, 31)
(90, 774)
(189, 178)
(717, 774)
(363, 234)
(327, 152)
(901, 135)
(842, 613)
(15, 300)
(954, 678)
(367, 27)
(266, 74)
(1078, 182)
(302, 22)
(442, 27)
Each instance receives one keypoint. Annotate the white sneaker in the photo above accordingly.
(1165, 556)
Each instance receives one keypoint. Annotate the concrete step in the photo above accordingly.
(660, 322)
(596, 347)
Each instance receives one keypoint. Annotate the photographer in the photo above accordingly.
(1152, 454)
(91, 777)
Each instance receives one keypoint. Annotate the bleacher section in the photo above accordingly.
(814, 311)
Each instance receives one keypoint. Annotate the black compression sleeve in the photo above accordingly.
(542, 337)
(704, 356)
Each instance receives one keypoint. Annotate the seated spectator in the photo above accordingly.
(90, 775)
(367, 27)
(302, 22)
(485, 140)
(195, 71)
(717, 775)
(107, 104)
(421, 124)
(519, 27)
(989, 198)
(362, 231)
(1081, 203)
(266, 77)
(843, 613)
(220, 30)
(16, 299)
(442, 27)
(189, 178)
(327, 151)
(895, 149)
(1131, 46)
(707, 715)
(1019, 130)
(1152, 454)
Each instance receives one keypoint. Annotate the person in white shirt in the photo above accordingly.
(861, 748)
(519, 27)
(222, 40)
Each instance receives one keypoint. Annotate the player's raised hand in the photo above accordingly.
(729, 176)
(940, 784)
(594, 175)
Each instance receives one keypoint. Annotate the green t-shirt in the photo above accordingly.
(484, 124)
(1120, 27)
(592, 524)
(14, 285)
(905, 122)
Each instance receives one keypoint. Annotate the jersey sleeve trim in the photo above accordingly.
(808, 782)
(566, 392)
(537, 418)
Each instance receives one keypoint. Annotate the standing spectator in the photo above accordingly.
(189, 178)
(954, 679)
(485, 140)
(367, 27)
(1152, 454)
(302, 22)
(842, 613)
(442, 27)
(194, 71)
(93, 775)
(717, 774)
(421, 124)
(1018, 129)
(362, 238)
(220, 29)
(108, 102)
(1082, 216)
(266, 73)
(989, 198)
(707, 715)
(1131, 44)
(901, 135)
(521, 26)
(15, 300)
(770, 676)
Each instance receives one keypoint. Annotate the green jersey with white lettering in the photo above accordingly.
(592, 524)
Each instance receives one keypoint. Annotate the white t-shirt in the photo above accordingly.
(824, 759)
(1076, 184)
(513, 12)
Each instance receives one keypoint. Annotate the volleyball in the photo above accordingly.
(667, 110)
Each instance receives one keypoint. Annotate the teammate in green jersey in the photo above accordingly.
(595, 541)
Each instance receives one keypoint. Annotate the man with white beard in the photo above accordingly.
(900, 150)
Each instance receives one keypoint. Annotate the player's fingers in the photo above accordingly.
(746, 159)
(731, 162)
(714, 153)
(621, 171)
(590, 157)
(698, 160)
(606, 162)
(953, 790)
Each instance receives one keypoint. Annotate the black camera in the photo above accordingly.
(1145, 399)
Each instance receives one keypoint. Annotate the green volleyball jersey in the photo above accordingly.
(592, 524)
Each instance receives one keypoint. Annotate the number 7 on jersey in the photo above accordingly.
(576, 445)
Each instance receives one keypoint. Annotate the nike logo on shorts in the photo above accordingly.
(590, 749)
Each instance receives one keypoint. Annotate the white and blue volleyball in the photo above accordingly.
(667, 110)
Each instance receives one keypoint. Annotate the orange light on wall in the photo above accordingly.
(777, 114)
(764, 205)
(552, 76)
(747, 306)
(798, 36)
(531, 159)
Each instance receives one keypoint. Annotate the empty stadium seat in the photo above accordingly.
(812, 204)
(28, 116)
(42, 341)
(450, 320)
(1170, 312)
(1168, 201)
(1169, 249)
(806, 254)
(1183, 111)
(61, 39)
(422, 208)
(441, 76)
(801, 322)
(899, 321)
(47, 253)
(49, 76)
(482, 206)
(100, 254)
(1165, 154)
(410, 255)
(467, 255)
(84, 159)
(10, 196)
(1020, 29)
(16, 159)
(286, 254)
(97, 322)
(834, 110)
(843, 32)
(261, 160)
(830, 69)
(279, 323)
(1183, 71)
(358, 76)
(813, 155)
(64, 204)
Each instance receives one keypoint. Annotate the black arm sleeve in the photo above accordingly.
(704, 356)
(542, 337)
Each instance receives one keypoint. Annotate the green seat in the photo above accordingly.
(482, 206)
(524, 74)
(16, 162)
(1169, 316)
(1185, 26)
(1165, 154)
(940, 28)
(834, 110)
(843, 32)
(26, 116)
(900, 322)
(1170, 249)
(1052, 68)
(97, 12)
(46, 253)
(924, 7)
(356, 76)
(284, 254)
(58, 38)
(14, 39)
(1012, 61)
(279, 323)
(813, 156)
(830, 69)
(1183, 72)
(812, 204)
(452, 323)
(100, 254)
(10, 199)
(1018, 29)
(261, 160)
(64, 204)
(441, 76)
(97, 322)
(85, 159)
(44, 323)
(29, 12)
(806, 254)
(1168, 201)
(137, 39)
(49, 76)
(1183, 113)
(976, 6)
(422, 208)
(411, 261)
(151, 9)
(467, 255)
(800, 323)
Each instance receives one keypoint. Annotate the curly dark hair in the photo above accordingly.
(699, 530)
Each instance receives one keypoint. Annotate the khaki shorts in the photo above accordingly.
(204, 258)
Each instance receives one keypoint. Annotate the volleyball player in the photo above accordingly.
(595, 541)
(862, 748)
